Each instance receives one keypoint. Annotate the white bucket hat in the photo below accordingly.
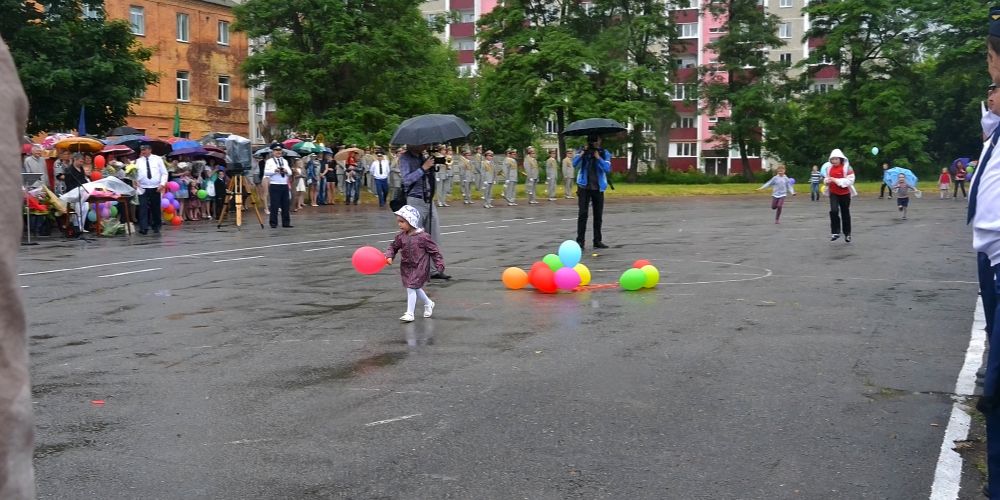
(410, 214)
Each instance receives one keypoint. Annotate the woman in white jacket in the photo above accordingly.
(839, 181)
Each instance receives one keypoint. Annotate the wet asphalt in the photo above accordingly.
(245, 363)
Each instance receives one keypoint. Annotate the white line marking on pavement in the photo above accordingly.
(324, 248)
(386, 421)
(384, 241)
(452, 232)
(571, 218)
(495, 227)
(202, 254)
(238, 258)
(25, 286)
(536, 222)
(130, 272)
(948, 473)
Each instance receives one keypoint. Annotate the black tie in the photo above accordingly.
(977, 175)
(149, 173)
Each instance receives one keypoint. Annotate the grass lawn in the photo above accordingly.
(623, 189)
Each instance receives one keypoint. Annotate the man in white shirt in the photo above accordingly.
(984, 207)
(379, 170)
(277, 170)
(35, 164)
(151, 178)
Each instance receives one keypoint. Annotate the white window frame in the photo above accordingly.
(468, 16)
(688, 149)
(682, 91)
(784, 3)
(785, 58)
(687, 30)
(822, 88)
(550, 126)
(222, 37)
(785, 30)
(225, 88)
(137, 18)
(684, 122)
(91, 12)
(183, 27)
(184, 86)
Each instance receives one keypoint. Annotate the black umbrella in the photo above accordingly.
(125, 131)
(594, 126)
(429, 129)
(134, 141)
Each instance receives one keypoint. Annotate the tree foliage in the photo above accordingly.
(66, 61)
(351, 69)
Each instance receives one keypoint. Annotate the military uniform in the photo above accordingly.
(531, 171)
(477, 170)
(465, 174)
(569, 176)
(510, 179)
(488, 170)
(551, 175)
(442, 179)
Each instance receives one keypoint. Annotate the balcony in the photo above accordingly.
(462, 30)
(827, 73)
(683, 134)
(462, 5)
(687, 75)
(466, 56)
(686, 16)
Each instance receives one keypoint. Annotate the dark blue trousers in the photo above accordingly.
(988, 288)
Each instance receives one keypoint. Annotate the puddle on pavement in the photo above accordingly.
(315, 376)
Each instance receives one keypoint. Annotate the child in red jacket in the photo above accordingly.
(944, 182)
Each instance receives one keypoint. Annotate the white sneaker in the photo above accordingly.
(428, 309)
(407, 317)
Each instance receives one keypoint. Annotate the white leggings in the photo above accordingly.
(411, 298)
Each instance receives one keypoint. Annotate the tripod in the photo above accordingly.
(238, 188)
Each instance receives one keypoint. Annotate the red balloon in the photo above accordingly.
(169, 209)
(639, 264)
(99, 161)
(96, 176)
(534, 270)
(544, 280)
(176, 221)
(368, 260)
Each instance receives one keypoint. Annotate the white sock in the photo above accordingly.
(411, 300)
(423, 296)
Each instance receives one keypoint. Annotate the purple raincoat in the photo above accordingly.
(416, 250)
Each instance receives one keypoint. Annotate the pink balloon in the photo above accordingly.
(368, 260)
(567, 278)
(173, 186)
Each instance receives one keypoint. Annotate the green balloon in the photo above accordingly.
(114, 211)
(202, 194)
(553, 261)
(633, 279)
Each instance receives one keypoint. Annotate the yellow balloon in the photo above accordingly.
(167, 216)
(584, 274)
(652, 276)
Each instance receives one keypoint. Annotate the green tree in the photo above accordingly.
(745, 80)
(875, 44)
(66, 60)
(351, 69)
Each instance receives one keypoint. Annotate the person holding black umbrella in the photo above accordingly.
(592, 164)
(418, 186)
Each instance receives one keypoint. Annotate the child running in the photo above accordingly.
(781, 186)
(417, 249)
(902, 190)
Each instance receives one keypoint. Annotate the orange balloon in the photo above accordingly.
(639, 264)
(176, 221)
(514, 278)
(169, 209)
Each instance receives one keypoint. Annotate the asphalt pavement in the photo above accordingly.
(245, 363)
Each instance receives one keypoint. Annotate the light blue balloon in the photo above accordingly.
(875, 151)
(570, 253)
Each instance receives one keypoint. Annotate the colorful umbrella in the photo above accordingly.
(343, 153)
(80, 144)
(186, 147)
(891, 176)
(117, 148)
(290, 142)
(50, 141)
(304, 147)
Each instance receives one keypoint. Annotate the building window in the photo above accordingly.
(689, 30)
(684, 91)
(91, 11)
(648, 153)
(551, 126)
(468, 16)
(684, 122)
(822, 88)
(184, 135)
(784, 3)
(785, 30)
(182, 28)
(786, 58)
(183, 86)
(717, 29)
(137, 17)
(466, 70)
(685, 149)
(223, 33)
(223, 89)
(463, 44)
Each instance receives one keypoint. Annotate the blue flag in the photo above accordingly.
(81, 128)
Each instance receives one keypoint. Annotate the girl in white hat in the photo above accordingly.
(416, 250)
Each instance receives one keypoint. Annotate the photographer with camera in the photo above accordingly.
(418, 188)
(593, 165)
(278, 170)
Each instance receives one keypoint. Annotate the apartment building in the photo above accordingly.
(460, 35)
(198, 57)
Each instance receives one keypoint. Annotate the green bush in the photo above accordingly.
(689, 177)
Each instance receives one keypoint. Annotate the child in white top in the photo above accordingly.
(781, 186)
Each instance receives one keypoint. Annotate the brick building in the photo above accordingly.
(197, 55)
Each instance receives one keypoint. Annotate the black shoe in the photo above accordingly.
(143, 232)
(578, 242)
(834, 237)
(440, 276)
(274, 226)
(156, 231)
(847, 238)
(289, 226)
(600, 245)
